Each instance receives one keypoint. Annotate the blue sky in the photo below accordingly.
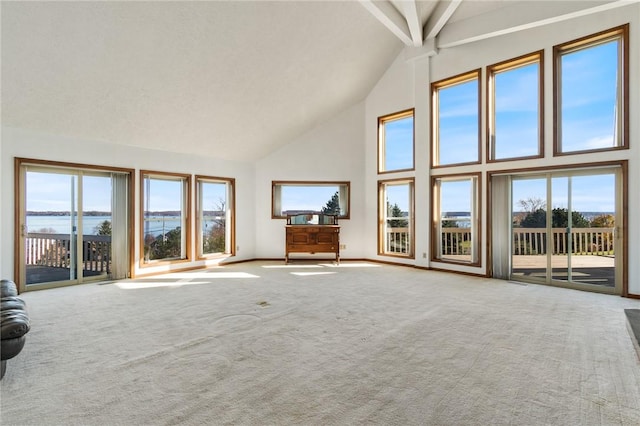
(589, 193)
(52, 192)
(163, 195)
(458, 123)
(306, 197)
(398, 144)
(589, 97)
(456, 196)
(516, 109)
(398, 194)
(214, 195)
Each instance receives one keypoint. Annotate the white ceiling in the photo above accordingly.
(226, 79)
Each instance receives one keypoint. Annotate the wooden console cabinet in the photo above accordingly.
(312, 233)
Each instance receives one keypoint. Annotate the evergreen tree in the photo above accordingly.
(104, 228)
(333, 205)
(395, 212)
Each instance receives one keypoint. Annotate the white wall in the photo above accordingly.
(394, 92)
(333, 151)
(34, 145)
(406, 84)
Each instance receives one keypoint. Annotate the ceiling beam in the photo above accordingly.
(410, 9)
(386, 13)
(504, 21)
(440, 17)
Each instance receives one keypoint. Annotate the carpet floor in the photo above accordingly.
(261, 343)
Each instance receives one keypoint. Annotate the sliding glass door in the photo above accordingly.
(70, 221)
(564, 229)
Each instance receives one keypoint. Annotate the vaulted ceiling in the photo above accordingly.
(226, 79)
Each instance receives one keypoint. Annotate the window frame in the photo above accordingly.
(382, 146)
(621, 33)
(186, 206)
(435, 115)
(476, 222)
(382, 217)
(230, 228)
(280, 183)
(505, 66)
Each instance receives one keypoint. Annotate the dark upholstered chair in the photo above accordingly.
(14, 323)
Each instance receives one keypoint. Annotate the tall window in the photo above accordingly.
(215, 216)
(456, 120)
(591, 89)
(165, 224)
(293, 197)
(395, 142)
(515, 108)
(456, 219)
(395, 234)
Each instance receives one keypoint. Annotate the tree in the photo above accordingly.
(559, 219)
(333, 205)
(604, 221)
(604, 241)
(104, 228)
(395, 211)
(532, 204)
(214, 237)
(535, 219)
(167, 245)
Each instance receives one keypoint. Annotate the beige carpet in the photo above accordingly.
(313, 344)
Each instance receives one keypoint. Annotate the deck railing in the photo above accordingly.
(54, 250)
(526, 241)
(587, 241)
(398, 241)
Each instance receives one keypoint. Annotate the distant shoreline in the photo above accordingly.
(169, 213)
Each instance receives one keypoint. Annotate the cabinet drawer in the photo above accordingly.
(305, 230)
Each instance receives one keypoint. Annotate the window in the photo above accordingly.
(591, 89)
(395, 142)
(291, 197)
(395, 234)
(456, 120)
(515, 108)
(215, 216)
(165, 224)
(456, 223)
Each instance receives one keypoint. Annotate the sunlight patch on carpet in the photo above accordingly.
(290, 266)
(306, 274)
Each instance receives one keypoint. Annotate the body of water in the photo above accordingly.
(156, 225)
(62, 224)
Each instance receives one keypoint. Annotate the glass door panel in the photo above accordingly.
(96, 225)
(593, 205)
(560, 229)
(50, 229)
(529, 236)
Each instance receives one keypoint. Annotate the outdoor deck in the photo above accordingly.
(49, 256)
